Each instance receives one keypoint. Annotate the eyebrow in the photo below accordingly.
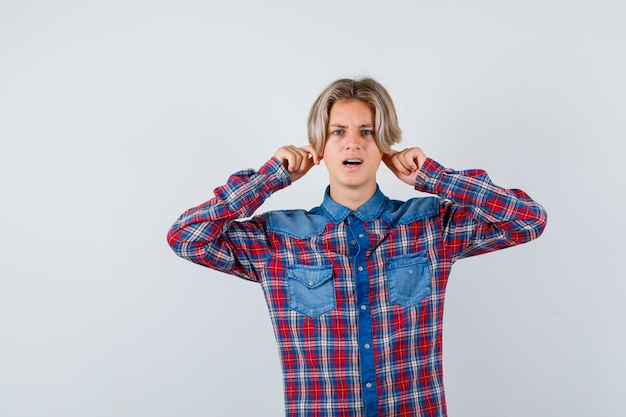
(335, 125)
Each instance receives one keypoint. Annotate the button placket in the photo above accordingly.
(367, 362)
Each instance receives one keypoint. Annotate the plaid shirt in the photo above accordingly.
(356, 297)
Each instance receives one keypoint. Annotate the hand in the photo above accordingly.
(298, 161)
(405, 164)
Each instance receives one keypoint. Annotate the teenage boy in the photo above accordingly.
(355, 287)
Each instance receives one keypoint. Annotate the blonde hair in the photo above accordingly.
(386, 128)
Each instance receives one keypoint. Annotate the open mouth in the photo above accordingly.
(352, 162)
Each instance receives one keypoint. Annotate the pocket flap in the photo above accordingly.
(402, 261)
(310, 276)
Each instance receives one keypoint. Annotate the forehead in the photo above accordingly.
(351, 112)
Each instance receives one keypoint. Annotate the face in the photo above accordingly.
(351, 154)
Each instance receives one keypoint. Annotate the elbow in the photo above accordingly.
(534, 225)
(181, 241)
(541, 220)
(175, 242)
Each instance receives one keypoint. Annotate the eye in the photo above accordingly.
(337, 132)
(367, 132)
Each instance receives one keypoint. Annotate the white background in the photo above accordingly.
(116, 116)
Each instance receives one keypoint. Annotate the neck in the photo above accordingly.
(352, 198)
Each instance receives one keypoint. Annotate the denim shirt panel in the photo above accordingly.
(298, 224)
(302, 224)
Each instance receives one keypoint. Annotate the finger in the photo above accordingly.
(420, 157)
(388, 159)
(308, 157)
(401, 164)
(304, 162)
(302, 159)
(314, 155)
(293, 158)
(409, 159)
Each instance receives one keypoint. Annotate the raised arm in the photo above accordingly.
(210, 234)
(478, 216)
(213, 235)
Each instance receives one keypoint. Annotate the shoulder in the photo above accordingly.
(296, 223)
(403, 212)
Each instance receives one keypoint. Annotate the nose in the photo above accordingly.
(353, 139)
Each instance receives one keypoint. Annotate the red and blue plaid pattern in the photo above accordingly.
(356, 298)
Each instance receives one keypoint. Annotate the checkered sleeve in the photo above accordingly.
(478, 216)
(214, 235)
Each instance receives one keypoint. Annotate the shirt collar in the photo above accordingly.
(368, 212)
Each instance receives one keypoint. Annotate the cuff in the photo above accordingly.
(428, 175)
(275, 170)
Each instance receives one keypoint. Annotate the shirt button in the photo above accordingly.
(360, 269)
(361, 235)
(363, 307)
(311, 283)
(353, 242)
(410, 272)
(367, 346)
(368, 385)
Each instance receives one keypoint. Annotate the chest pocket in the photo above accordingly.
(311, 289)
(409, 279)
